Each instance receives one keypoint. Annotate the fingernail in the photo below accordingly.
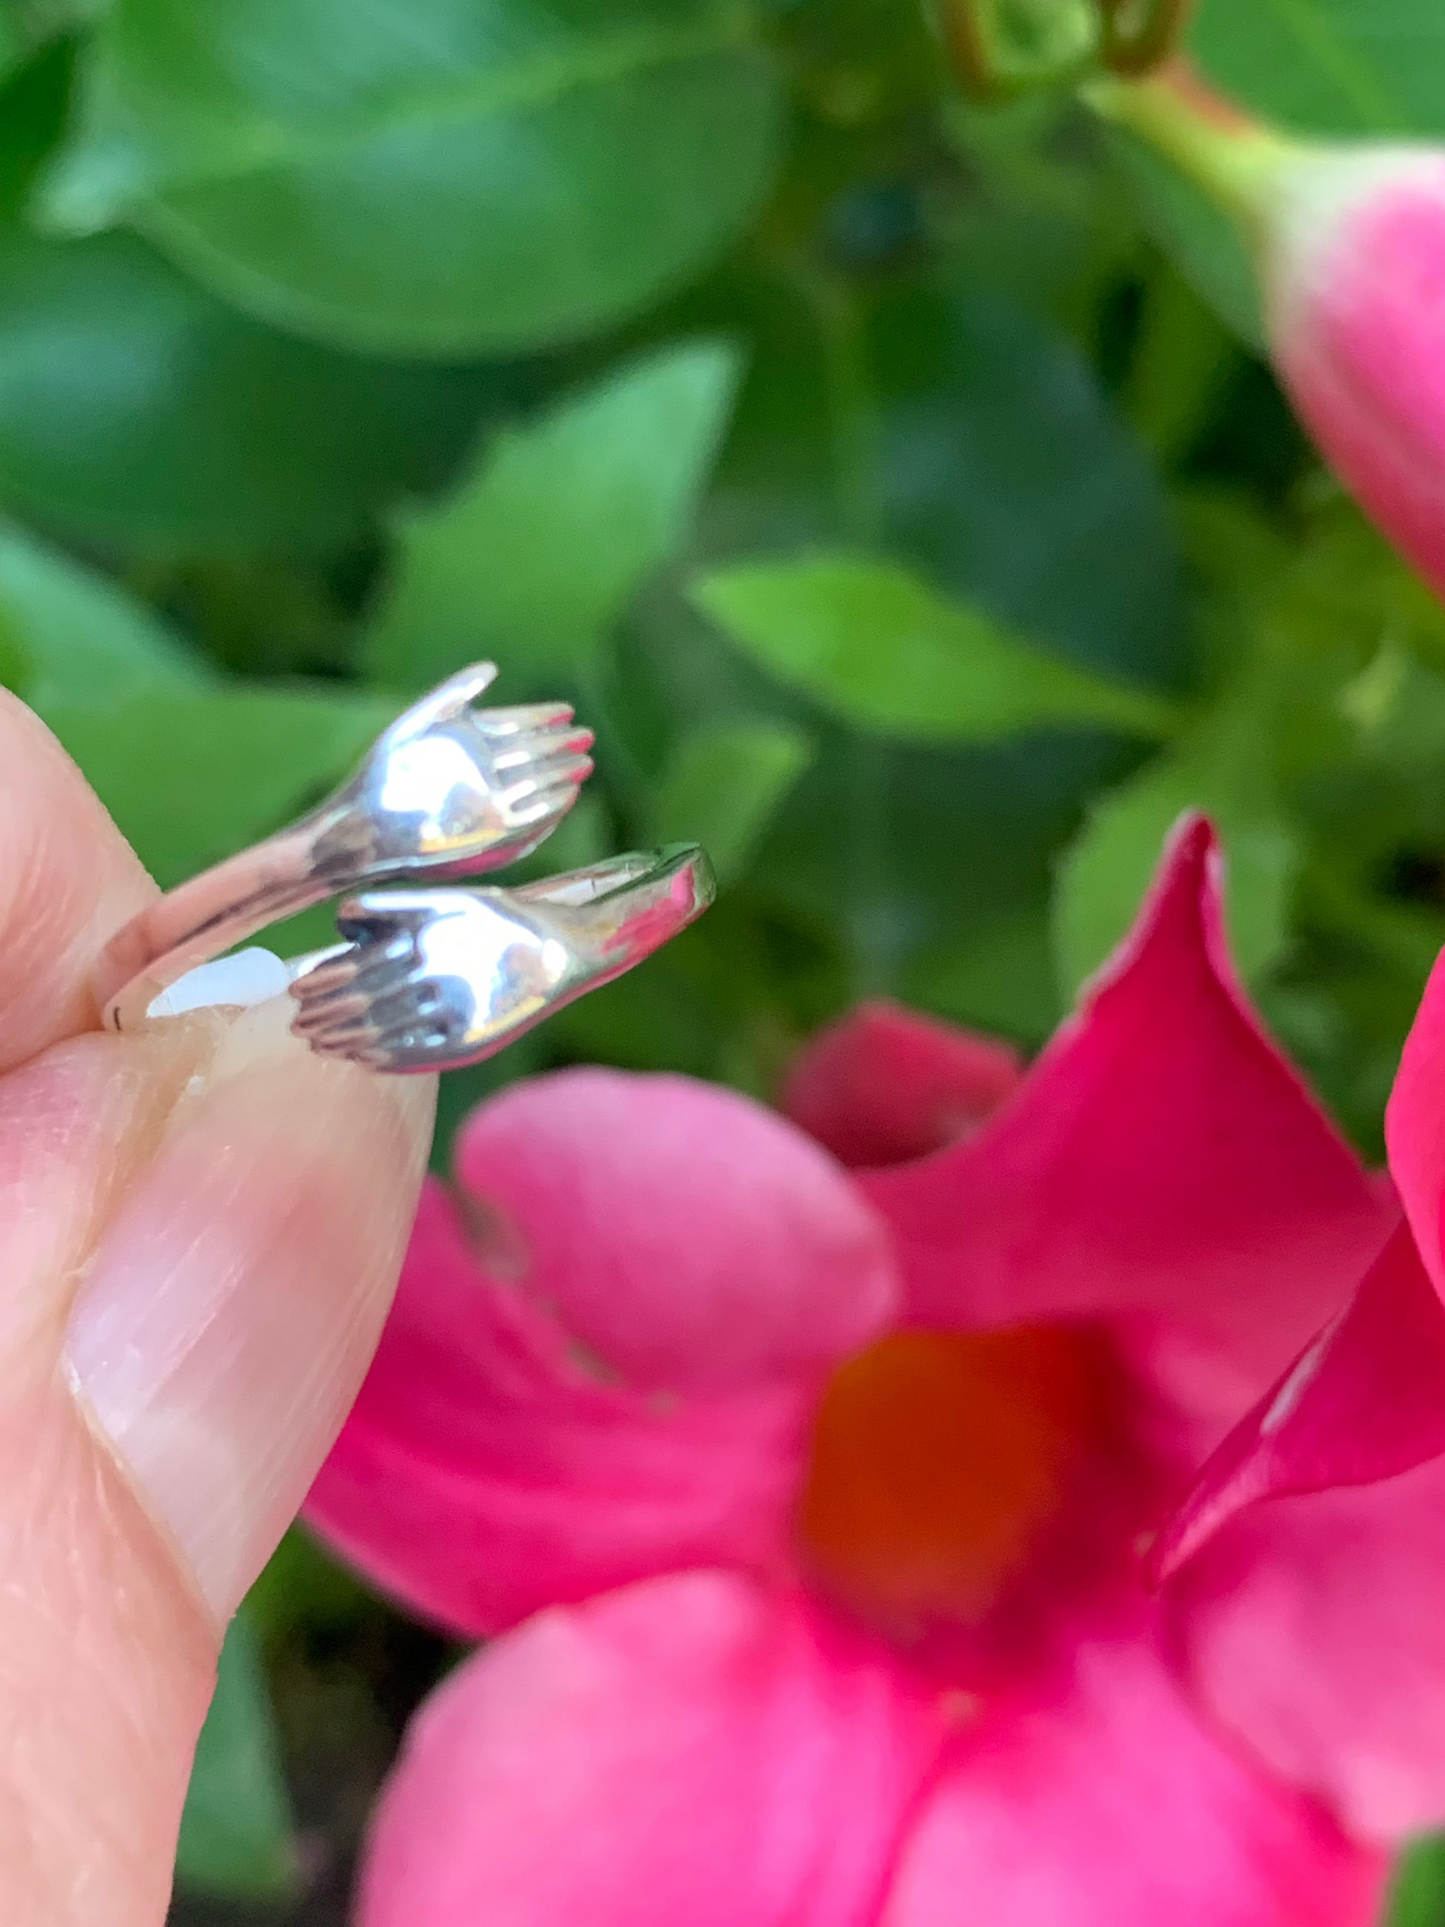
(244, 978)
(233, 1304)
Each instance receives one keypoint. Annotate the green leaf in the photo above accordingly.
(1009, 478)
(1224, 769)
(427, 178)
(139, 410)
(536, 556)
(26, 25)
(302, 1586)
(15, 668)
(1183, 356)
(877, 647)
(33, 102)
(80, 638)
(1417, 1894)
(236, 1832)
(1349, 587)
(192, 778)
(987, 455)
(1006, 478)
(668, 1014)
(724, 784)
(999, 978)
(1330, 66)
(14, 41)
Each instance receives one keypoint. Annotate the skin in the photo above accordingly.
(199, 1234)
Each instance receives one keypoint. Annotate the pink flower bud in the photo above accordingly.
(1349, 237)
(1353, 261)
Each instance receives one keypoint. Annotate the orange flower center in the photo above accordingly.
(937, 1458)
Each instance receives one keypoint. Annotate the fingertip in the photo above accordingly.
(68, 879)
(234, 1305)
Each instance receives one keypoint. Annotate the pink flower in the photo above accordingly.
(1354, 272)
(804, 1507)
(1365, 1400)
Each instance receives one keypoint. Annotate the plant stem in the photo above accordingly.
(969, 53)
(1138, 37)
(851, 402)
(853, 427)
(991, 64)
(1230, 156)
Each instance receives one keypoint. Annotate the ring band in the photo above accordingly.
(431, 980)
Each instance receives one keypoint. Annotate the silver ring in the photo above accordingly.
(427, 979)
(446, 791)
(433, 980)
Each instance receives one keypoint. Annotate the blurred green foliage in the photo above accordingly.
(892, 482)
(610, 478)
(236, 1831)
(1419, 1892)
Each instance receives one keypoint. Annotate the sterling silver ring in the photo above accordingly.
(428, 979)
(436, 979)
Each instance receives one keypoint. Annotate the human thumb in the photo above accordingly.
(212, 1226)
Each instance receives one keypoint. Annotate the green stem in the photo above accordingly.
(853, 420)
(871, 963)
(1133, 46)
(853, 413)
(632, 785)
(1232, 159)
(991, 64)
(970, 55)
(851, 403)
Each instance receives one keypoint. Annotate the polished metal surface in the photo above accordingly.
(427, 979)
(436, 979)
(447, 791)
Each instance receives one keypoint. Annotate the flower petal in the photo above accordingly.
(688, 1236)
(1352, 263)
(1314, 1629)
(1109, 1804)
(1161, 1157)
(885, 1084)
(1363, 1402)
(689, 1750)
(487, 1470)
(1415, 1126)
(516, 1442)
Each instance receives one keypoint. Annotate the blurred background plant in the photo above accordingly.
(873, 441)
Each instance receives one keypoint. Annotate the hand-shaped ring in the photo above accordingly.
(446, 791)
(434, 979)
(428, 979)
